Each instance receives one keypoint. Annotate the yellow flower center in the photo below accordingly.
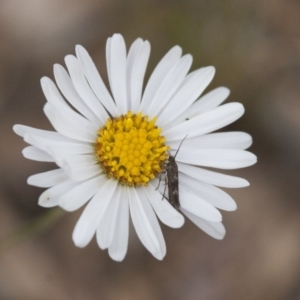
(131, 149)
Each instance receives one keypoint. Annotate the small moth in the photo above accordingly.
(172, 179)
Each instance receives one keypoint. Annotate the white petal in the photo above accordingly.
(206, 103)
(66, 86)
(164, 210)
(83, 88)
(58, 146)
(158, 75)
(207, 192)
(211, 177)
(131, 57)
(198, 206)
(81, 173)
(117, 78)
(188, 92)
(108, 59)
(81, 160)
(217, 158)
(214, 229)
(47, 179)
(220, 140)
(72, 116)
(169, 85)
(118, 248)
(146, 224)
(51, 92)
(210, 100)
(49, 198)
(69, 162)
(206, 123)
(21, 130)
(106, 227)
(66, 126)
(34, 153)
(71, 149)
(96, 81)
(79, 195)
(89, 220)
(137, 76)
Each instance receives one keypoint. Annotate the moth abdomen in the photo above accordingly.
(172, 180)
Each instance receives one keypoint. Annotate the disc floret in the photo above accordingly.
(131, 149)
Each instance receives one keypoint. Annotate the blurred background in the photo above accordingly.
(255, 47)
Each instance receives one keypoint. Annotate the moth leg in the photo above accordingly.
(158, 182)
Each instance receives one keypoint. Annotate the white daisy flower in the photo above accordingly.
(111, 148)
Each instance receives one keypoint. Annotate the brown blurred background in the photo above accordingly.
(255, 47)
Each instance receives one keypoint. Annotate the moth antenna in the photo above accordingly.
(180, 146)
